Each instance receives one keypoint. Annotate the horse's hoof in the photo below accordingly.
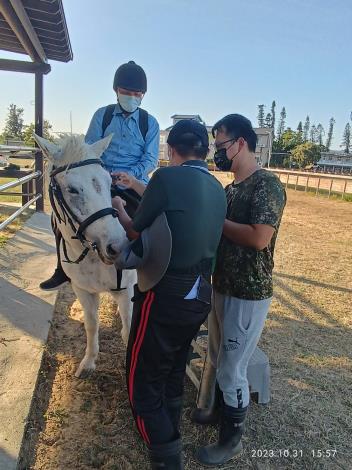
(84, 371)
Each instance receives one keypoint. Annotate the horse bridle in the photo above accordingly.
(69, 217)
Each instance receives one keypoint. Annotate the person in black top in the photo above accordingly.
(168, 316)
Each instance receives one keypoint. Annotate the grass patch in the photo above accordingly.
(15, 225)
(16, 189)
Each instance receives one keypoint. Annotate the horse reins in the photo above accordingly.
(69, 217)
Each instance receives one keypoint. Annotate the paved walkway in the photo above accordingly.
(25, 313)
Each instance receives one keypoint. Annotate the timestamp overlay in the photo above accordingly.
(292, 453)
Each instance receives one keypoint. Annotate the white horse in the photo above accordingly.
(80, 196)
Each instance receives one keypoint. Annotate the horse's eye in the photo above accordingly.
(72, 190)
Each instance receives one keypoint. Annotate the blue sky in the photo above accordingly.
(201, 57)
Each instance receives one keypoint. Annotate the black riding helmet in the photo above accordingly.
(131, 77)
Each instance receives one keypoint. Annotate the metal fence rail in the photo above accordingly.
(23, 181)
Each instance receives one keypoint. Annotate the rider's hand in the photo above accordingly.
(118, 203)
(125, 179)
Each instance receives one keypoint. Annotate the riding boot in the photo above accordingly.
(59, 277)
(209, 415)
(166, 456)
(229, 443)
(174, 407)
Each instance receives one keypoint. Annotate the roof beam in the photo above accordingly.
(22, 66)
(23, 17)
(12, 19)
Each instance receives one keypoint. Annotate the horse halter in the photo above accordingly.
(69, 217)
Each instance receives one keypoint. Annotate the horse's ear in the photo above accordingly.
(50, 150)
(99, 147)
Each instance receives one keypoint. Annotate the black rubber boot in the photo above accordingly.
(229, 443)
(166, 456)
(57, 280)
(209, 415)
(174, 407)
(59, 277)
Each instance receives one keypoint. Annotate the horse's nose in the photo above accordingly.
(112, 249)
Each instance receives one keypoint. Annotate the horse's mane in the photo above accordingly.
(74, 149)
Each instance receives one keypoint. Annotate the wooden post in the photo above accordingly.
(288, 177)
(25, 190)
(317, 191)
(331, 182)
(38, 120)
(344, 189)
(296, 182)
(306, 188)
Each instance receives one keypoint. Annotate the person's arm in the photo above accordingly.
(95, 127)
(149, 159)
(124, 219)
(255, 236)
(267, 205)
(128, 181)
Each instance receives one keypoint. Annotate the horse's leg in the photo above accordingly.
(90, 304)
(125, 308)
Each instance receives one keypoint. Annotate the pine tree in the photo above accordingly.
(268, 120)
(260, 115)
(300, 132)
(14, 122)
(330, 133)
(281, 125)
(320, 134)
(313, 134)
(346, 138)
(272, 112)
(306, 128)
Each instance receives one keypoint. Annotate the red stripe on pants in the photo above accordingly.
(139, 340)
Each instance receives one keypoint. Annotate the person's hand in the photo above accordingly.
(118, 203)
(125, 179)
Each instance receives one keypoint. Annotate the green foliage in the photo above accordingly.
(260, 115)
(330, 133)
(28, 133)
(346, 138)
(14, 122)
(281, 125)
(268, 120)
(305, 154)
(272, 112)
(306, 129)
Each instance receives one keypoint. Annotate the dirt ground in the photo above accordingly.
(86, 424)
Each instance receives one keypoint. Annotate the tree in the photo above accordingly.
(346, 138)
(305, 154)
(268, 120)
(313, 134)
(272, 112)
(320, 134)
(14, 122)
(28, 133)
(260, 115)
(300, 132)
(281, 125)
(288, 140)
(330, 133)
(306, 128)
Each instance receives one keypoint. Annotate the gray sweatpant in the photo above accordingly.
(235, 326)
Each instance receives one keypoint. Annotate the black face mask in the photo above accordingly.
(221, 160)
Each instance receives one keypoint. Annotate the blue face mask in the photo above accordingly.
(129, 103)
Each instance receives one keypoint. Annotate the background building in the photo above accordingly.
(335, 161)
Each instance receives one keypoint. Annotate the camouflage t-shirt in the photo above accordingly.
(241, 271)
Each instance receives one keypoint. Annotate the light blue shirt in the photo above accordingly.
(127, 151)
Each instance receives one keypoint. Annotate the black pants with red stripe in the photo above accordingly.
(162, 330)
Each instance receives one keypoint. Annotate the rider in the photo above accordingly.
(134, 147)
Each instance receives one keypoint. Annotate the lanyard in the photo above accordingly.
(201, 168)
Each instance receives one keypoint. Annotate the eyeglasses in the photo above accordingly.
(219, 145)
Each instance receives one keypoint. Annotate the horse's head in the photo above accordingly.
(86, 190)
